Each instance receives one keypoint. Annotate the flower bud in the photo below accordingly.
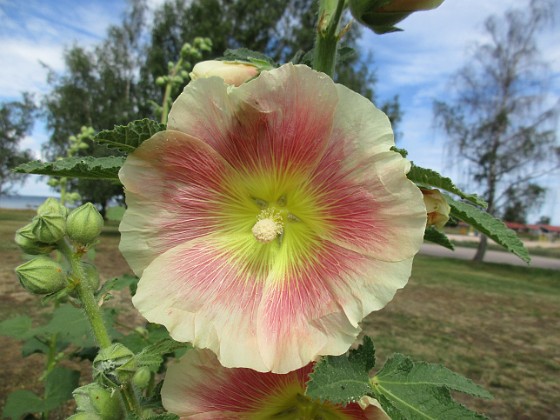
(233, 73)
(41, 276)
(29, 244)
(142, 377)
(436, 207)
(114, 364)
(84, 224)
(95, 401)
(52, 205)
(49, 227)
(381, 15)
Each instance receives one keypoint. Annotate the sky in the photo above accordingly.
(416, 64)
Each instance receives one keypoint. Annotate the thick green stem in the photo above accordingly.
(326, 41)
(85, 293)
(130, 400)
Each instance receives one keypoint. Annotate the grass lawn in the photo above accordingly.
(496, 324)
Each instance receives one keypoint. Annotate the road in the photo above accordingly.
(491, 256)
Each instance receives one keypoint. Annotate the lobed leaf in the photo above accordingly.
(429, 178)
(343, 379)
(152, 355)
(490, 226)
(76, 167)
(127, 138)
(433, 235)
(22, 402)
(59, 385)
(19, 327)
(408, 389)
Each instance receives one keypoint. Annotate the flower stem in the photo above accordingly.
(326, 41)
(85, 293)
(167, 93)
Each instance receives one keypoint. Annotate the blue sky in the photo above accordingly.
(416, 64)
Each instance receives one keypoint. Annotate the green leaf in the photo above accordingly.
(22, 402)
(76, 167)
(408, 389)
(343, 379)
(19, 327)
(126, 138)
(59, 385)
(115, 213)
(118, 283)
(429, 178)
(69, 324)
(32, 346)
(433, 235)
(490, 226)
(152, 356)
(402, 152)
(263, 62)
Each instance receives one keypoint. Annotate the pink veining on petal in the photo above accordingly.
(197, 386)
(280, 120)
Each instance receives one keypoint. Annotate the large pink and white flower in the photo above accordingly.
(270, 218)
(198, 387)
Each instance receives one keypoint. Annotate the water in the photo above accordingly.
(21, 202)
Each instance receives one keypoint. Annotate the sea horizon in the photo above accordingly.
(22, 202)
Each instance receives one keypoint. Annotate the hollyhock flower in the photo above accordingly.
(270, 218)
(233, 73)
(198, 387)
(437, 208)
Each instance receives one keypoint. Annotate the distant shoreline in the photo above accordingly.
(21, 202)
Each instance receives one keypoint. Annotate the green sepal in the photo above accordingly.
(428, 178)
(407, 389)
(433, 235)
(487, 224)
(76, 167)
(127, 138)
(245, 55)
(343, 379)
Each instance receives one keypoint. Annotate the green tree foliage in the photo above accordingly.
(519, 203)
(497, 120)
(98, 89)
(16, 119)
(116, 82)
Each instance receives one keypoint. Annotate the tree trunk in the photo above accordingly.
(481, 250)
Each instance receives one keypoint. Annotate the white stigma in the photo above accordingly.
(268, 227)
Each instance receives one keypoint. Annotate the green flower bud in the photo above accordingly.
(49, 227)
(114, 364)
(92, 275)
(142, 377)
(84, 224)
(41, 276)
(52, 205)
(381, 15)
(97, 402)
(25, 239)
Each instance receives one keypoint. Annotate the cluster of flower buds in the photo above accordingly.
(52, 224)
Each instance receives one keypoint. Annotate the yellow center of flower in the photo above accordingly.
(269, 226)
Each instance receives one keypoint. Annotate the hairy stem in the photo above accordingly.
(326, 41)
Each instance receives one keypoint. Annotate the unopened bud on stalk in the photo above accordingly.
(52, 206)
(114, 364)
(233, 73)
(29, 244)
(41, 276)
(381, 15)
(49, 227)
(84, 224)
(93, 401)
(142, 377)
(436, 208)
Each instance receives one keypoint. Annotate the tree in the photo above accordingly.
(519, 204)
(16, 119)
(116, 82)
(497, 120)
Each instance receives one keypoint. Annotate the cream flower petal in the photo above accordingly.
(269, 320)
(198, 387)
(280, 120)
(368, 204)
(174, 189)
